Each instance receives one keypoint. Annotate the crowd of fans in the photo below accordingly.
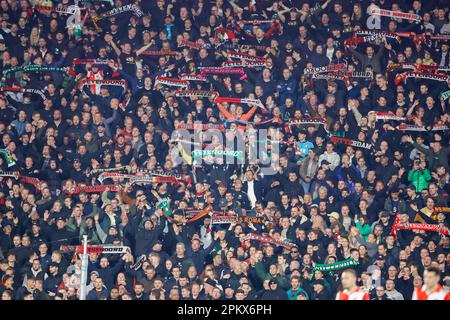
(327, 201)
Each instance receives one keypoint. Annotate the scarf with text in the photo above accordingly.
(228, 153)
(252, 102)
(39, 92)
(441, 209)
(243, 64)
(267, 239)
(77, 61)
(339, 265)
(441, 229)
(66, 10)
(106, 249)
(404, 65)
(36, 68)
(24, 179)
(152, 179)
(401, 77)
(328, 68)
(159, 53)
(349, 142)
(193, 77)
(222, 70)
(196, 94)
(388, 116)
(113, 83)
(126, 8)
(217, 219)
(200, 126)
(306, 121)
(95, 189)
(171, 82)
(396, 14)
(244, 56)
(415, 128)
(368, 75)
(10, 174)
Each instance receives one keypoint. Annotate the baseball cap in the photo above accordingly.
(319, 281)
(334, 215)
(384, 214)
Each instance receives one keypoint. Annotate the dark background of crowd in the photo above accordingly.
(333, 201)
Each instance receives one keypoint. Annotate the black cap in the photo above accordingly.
(272, 281)
(380, 257)
(211, 282)
(385, 214)
(319, 281)
(395, 190)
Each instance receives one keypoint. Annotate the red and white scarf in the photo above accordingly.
(396, 14)
(267, 239)
(196, 93)
(254, 102)
(350, 142)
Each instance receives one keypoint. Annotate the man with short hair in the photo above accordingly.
(350, 291)
(431, 290)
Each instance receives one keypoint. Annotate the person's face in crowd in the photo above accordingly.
(16, 241)
(36, 265)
